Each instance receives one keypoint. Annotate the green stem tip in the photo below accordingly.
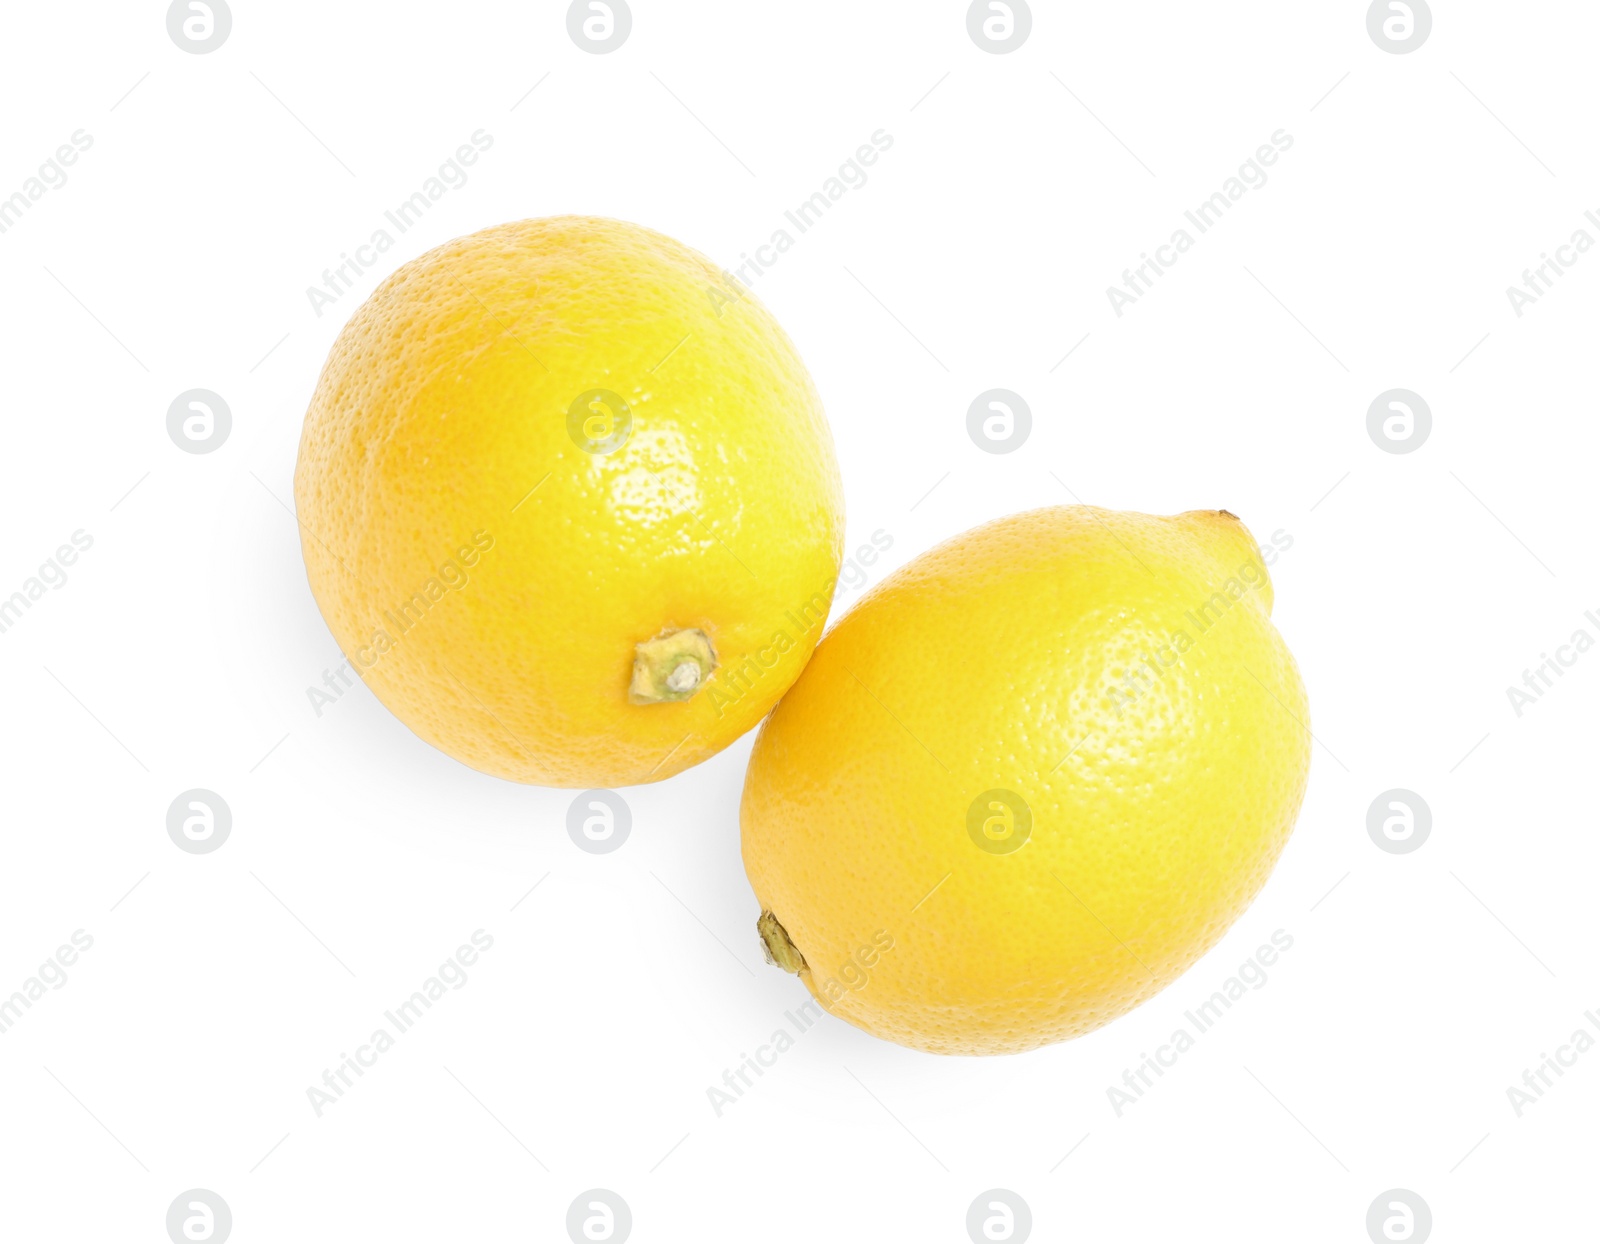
(671, 667)
(777, 946)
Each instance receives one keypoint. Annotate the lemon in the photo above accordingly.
(1029, 779)
(569, 503)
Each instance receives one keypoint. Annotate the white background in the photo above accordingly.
(977, 255)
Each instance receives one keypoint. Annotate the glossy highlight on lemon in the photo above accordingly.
(569, 508)
(1049, 763)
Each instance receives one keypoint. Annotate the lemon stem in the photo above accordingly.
(777, 946)
(671, 667)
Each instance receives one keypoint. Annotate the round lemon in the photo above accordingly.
(569, 503)
(1029, 779)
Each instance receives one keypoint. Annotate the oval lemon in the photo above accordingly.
(569, 502)
(1029, 779)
